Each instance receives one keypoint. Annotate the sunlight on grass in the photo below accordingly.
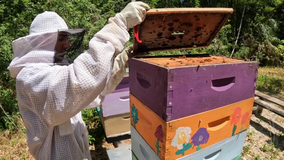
(14, 146)
(271, 81)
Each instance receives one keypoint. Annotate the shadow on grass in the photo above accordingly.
(277, 140)
(97, 137)
(92, 120)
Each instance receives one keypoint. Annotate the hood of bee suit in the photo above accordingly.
(38, 46)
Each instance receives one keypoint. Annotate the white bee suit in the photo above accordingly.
(51, 96)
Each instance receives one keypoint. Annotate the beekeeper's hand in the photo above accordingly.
(134, 13)
(128, 51)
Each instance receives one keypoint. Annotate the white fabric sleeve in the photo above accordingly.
(118, 72)
(73, 87)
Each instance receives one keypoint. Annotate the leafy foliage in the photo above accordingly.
(94, 125)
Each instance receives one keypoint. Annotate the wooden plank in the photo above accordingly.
(269, 98)
(269, 107)
(200, 131)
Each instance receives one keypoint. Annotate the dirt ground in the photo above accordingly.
(265, 138)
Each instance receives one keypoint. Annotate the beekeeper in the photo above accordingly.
(52, 92)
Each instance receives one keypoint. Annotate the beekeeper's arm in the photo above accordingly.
(78, 84)
(118, 72)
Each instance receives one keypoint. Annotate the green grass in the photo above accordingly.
(271, 81)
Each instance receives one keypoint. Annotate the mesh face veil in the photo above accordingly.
(68, 46)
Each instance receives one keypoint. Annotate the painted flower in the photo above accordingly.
(134, 114)
(182, 137)
(245, 118)
(159, 133)
(200, 137)
(159, 136)
(236, 116)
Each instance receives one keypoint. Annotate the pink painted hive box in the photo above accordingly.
(175, 87)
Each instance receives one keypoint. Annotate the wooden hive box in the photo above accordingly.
(117, 126)
(176, 87)
(117, 102)
(227, 149)
(115, 112)
(185, 136)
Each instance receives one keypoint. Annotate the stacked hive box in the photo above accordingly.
(190, 107)
(180, 109)
(115, 112)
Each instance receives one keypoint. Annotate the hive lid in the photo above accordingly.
(179, 28)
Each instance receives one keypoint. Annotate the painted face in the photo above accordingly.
(61, 46)
(181, 138)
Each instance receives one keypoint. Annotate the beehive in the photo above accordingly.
(181, 105)
(115, 112)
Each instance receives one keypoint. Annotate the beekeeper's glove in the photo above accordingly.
(134, 13)
(128, 51)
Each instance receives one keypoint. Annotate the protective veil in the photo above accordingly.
(68, 46)
(51, 96)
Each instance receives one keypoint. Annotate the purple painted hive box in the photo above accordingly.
(175, 87)
(117, 102)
